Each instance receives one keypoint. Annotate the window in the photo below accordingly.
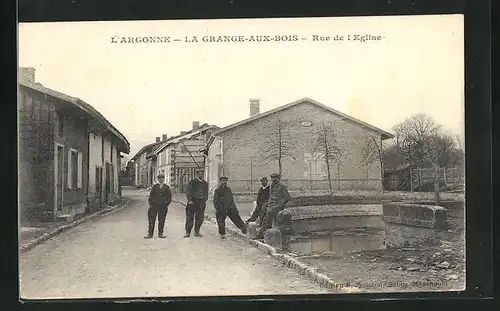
(75, 168)
(163, 157)
(35, 112)
(59, 125)
(28, 107)
(111, 154)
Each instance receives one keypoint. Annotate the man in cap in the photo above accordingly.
(159, 199)
(262, 198)
(278, 198)
(197, 196)
(226, 207)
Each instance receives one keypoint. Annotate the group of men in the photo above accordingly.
(271, 199)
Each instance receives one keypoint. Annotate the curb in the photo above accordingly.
(44, 237)
(302, 268)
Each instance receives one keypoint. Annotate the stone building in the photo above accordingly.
(247, 150)
(179, 157)
(69, 154)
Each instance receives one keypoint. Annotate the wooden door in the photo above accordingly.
(98, 184)
(59, 180)
(107, 183)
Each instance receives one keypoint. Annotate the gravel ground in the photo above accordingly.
(108, 258)
(438, 265)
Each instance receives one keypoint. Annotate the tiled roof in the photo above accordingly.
(78, 103)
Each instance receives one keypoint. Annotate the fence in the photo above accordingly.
(423, 177)
(450, 176)
(310, 185)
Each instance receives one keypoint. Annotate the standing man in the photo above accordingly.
(197, 196)
(159, 199)
(278, 198)
(262, 198)
(225, 206)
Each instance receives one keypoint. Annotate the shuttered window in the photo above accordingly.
(75, 169)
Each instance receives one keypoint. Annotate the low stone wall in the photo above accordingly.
(419, 215)
(329, 218)
(302, 201)
(398, 235)
(349, 240)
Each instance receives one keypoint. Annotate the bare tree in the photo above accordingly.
(373, 151)
(329, 149)
(411, 137)
(441, 151)
(279, 145)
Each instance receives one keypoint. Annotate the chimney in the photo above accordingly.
(164, 137)
(157, 139)
(196, 125)
(254, 107)
(27, 74)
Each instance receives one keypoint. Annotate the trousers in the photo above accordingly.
(260, 213)
(195, 214)
(270, 215)
(161, 213)
(222, 212)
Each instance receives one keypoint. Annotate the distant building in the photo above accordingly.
(143, 176)
(176, 157)
(179, 157)
(239, 150)
(69, 154)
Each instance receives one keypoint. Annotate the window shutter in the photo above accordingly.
(68, 170)
(80, 169)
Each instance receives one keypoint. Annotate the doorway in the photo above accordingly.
(107, 185)
(59, 178)
(98, 183)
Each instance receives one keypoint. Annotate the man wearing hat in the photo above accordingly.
(197, 196)
(262, 198)
(226, 207)
(278, 198)
(159, 200)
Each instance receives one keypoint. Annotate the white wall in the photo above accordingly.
(95, 160)
(116, 168)
(107, 149)
(214, 164)
(164, 164)
(137, 172)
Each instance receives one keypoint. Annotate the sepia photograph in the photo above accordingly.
(241, 157)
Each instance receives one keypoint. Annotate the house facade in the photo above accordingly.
(142, 173)
(248, 150)
(179, 157)
(56, 155)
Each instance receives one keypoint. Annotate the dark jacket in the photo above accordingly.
(160, 196)
(197, 189)
(223, 198)
(279, 196)
(263, 195)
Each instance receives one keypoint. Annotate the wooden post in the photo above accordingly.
(419, 174)
(251, 175)
(338, 175)
(444, 172)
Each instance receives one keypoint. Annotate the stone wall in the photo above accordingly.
(244, 149)
(419, 215)
(309, 219)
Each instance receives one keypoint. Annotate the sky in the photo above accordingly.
(149, 89)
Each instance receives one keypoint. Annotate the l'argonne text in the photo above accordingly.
(241, 39)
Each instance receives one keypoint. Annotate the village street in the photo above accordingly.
(108, 258)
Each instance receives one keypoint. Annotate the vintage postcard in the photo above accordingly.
(287, 156)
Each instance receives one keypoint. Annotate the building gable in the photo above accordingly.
(343, 116)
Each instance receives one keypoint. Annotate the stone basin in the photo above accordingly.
(339, 241)
(358, 227)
